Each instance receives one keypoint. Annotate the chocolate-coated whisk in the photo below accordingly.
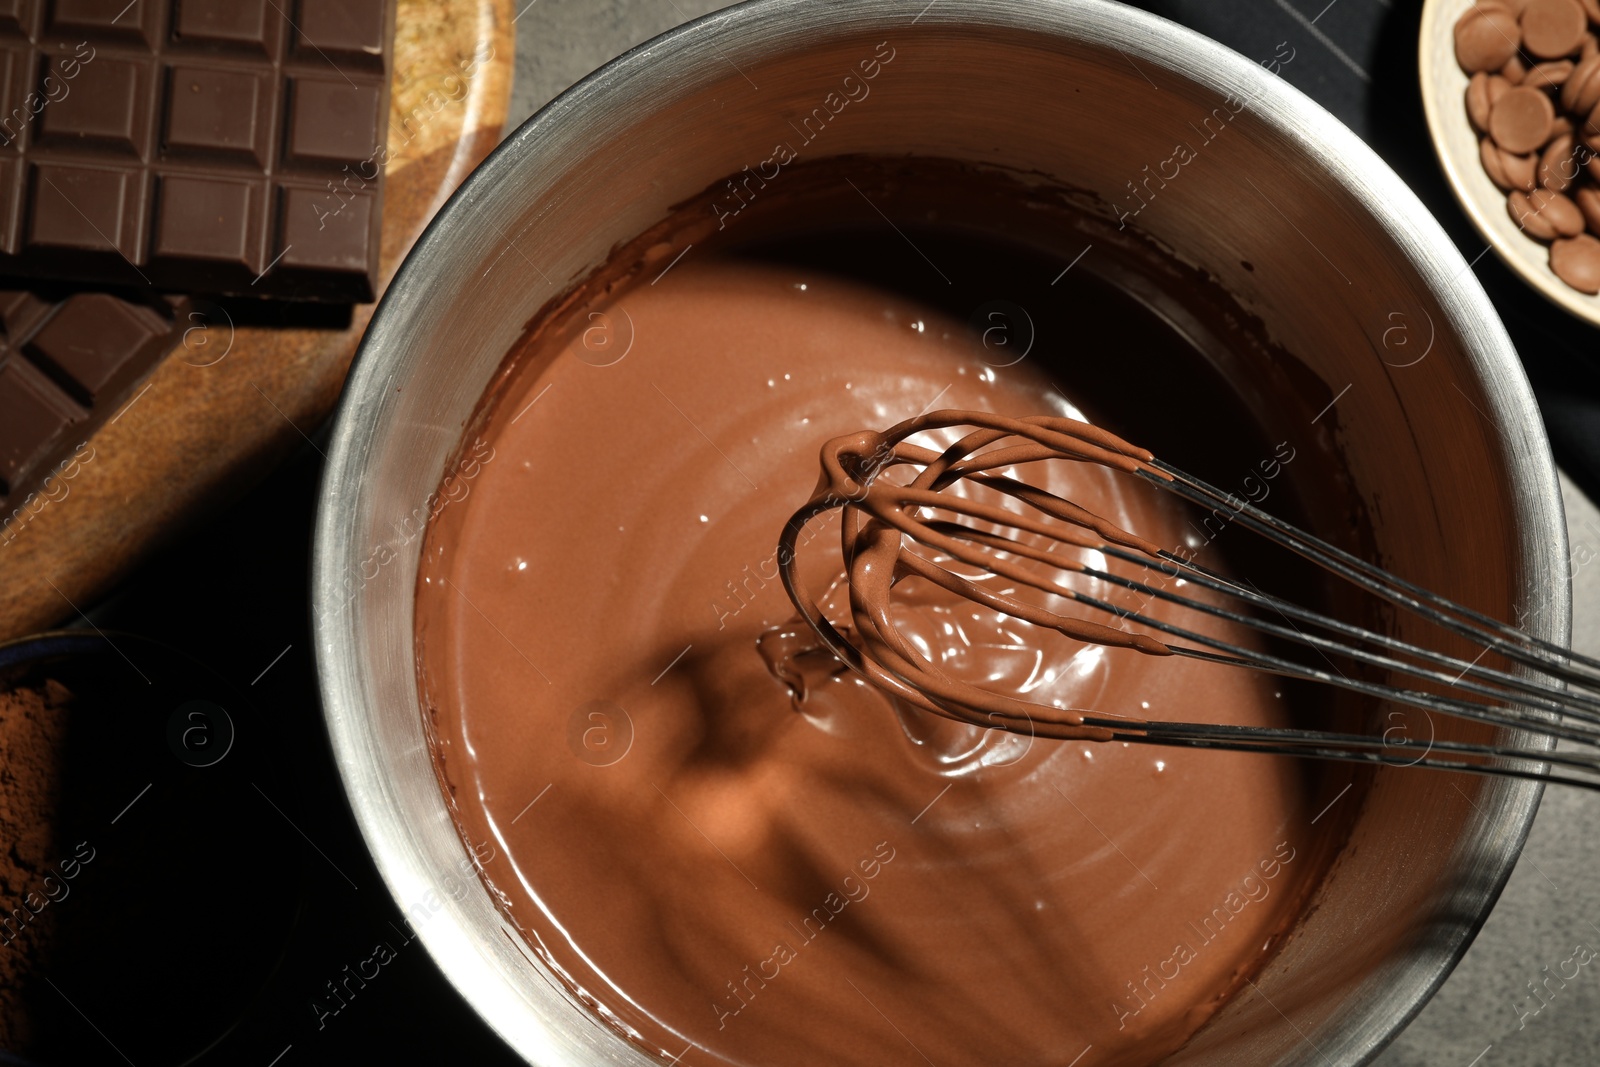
(1544, 688)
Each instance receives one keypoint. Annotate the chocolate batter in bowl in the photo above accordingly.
(1186, 250)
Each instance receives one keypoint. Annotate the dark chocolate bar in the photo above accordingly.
(212, 146)
(66, 368)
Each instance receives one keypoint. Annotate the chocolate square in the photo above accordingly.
(68, 367)
(91, 340)
(32, 413)
(15, 17)
(107, 103)
(221, 111)
(20, 101)
(201, 217)
(332, 121)
(19, 310)
(350, 31)
(239, 22)
(130, 20)
(11, 170)
(83, 207)
(323, 231)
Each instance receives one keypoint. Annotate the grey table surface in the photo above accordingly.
(1483, 1016)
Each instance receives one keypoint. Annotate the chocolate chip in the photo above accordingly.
(1553, 28)
(1588, 201)
(1557, 168)
(1576, 261)
(1486, 38)
(1520, 120)
(1523, 171)
(1562, 214)
(1549, 75)
(1479, 101)
(1581, 90)
(1544, 215)
(1508, 170)
(1489, 156)
(1527, 217)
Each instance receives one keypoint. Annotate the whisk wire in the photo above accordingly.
(1500, 636)
(1526, 692)
(1550, 693)
(1205, 579)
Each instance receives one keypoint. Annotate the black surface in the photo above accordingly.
(234, 593)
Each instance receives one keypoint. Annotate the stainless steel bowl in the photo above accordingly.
(1284, 206)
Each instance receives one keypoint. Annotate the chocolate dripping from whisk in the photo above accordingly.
(852, 465)
(879, 517)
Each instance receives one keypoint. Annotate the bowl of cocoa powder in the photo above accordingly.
(144, 898)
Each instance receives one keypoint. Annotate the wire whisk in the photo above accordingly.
(1539, 689)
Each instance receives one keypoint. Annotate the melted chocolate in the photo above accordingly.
(729, 882)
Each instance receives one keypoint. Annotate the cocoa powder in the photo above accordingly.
(33, 729)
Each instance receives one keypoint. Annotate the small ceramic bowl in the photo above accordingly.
(1444, 88)
(168, 886)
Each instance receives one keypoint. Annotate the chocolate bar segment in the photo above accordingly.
(322, 237)
(67, 365)
(353, 30)
(86, 210)
(33, 415)
(209, 218)
(102, 110)
(243, 24)
(224, 113)
(95, 344)
(136, 21)
(162, 143)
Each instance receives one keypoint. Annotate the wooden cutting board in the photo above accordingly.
(227, 405)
